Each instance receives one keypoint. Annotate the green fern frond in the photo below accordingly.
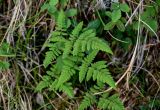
(58, 39)
(112, 103)
(67, 48)
(77, 48)
(77, 29)
(61, 21)
(50, 56)
(105, 77)
(98, 71)
(87, 101)
(87, 61)
(99, 44)
(66, 74)
(89, 73)
(44, 83)
(99, 65)
(68, 89)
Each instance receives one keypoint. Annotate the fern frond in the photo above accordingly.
(89, 73)
(77, 29)
(61, 21)
(68, 89)
(99, 44)
(50, 56)
(112, 103)
(77, 48)
(87, 61)
(58, 39)
(67, 48)
(87, 101)
(66, 74)
(105, 77)
(98, 71)
(44, 83)
(99, 65)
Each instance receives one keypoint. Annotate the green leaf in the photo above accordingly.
(53, 2)
(116, 15)
(151, 25)
(63, 3)
(124, 7)
(94, 24)
(120, 26)
(52, 10)
(109, 25)
(71, 12)
(149, 13)
(115, 6)
(109, 14)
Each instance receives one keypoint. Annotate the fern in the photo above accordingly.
(100, 72)
(66, 74)
(44, 83)
(87, 101)
(112, 103)
(73, 52)
(61, 21)
(76, 30)
(66, 88)
(88, 41)
(51, 55)
(87, 61)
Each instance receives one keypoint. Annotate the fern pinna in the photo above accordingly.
(73, 53)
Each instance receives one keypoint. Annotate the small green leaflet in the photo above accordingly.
(109, 25)
(120, 26)
(124, 7)
(71, 12)
(116, 15)
(53, 2)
